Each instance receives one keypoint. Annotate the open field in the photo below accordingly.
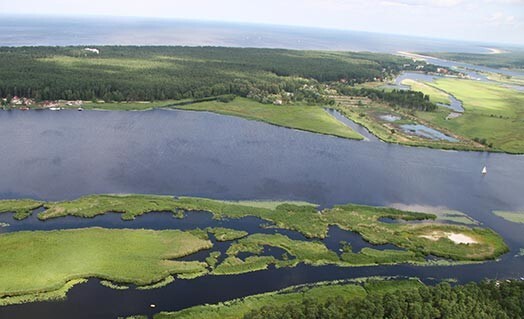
(492, 112)
(44, 261)
(511, 80)
(303, 117)
(435, 95)
(515, 217)
(127, 106)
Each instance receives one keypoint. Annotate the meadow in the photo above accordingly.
(43, 261)
(435, 95)
(493, 114)
(311, 118)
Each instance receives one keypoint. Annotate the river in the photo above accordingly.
(63, 155)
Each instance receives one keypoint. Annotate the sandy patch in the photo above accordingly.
(496, 51)
(454, 237)
(461, 239)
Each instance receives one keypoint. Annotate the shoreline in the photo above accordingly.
(369, 129)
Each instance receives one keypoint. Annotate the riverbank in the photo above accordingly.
(380, 297)
(472, 130)
(393, 125)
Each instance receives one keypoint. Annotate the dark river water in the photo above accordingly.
(63, 155)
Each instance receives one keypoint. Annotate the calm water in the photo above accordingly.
(427, 132)
(63, 155)
(27, 30)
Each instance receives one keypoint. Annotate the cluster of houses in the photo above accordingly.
(20, 101)
(24, 104)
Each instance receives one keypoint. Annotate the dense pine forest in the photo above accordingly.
(114, 73)
(475, 300)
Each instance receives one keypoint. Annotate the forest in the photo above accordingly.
(403, 98)
(120, 73)
(487, 299)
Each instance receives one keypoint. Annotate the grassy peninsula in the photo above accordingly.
(311, 118)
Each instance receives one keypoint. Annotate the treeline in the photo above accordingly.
(402, 98)
(509, 60)
(483, 300)
(159, 73)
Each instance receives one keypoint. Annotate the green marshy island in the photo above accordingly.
(42, 265)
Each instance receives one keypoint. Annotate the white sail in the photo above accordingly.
(484, 170)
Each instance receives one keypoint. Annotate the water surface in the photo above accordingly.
(63, 155)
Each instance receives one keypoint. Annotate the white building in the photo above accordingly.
(96, 51)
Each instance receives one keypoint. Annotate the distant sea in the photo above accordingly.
(63, 31)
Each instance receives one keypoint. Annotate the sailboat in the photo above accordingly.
(484, 170)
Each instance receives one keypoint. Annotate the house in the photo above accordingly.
(27, 101)
(16, 100)
(74, 103)
(92, 50)
(50, 104)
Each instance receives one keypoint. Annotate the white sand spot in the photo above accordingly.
(461, 239)
(454, 237)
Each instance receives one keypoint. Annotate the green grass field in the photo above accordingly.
(127, 106)
(302, 117)
(44, 261)
(492, 112)
(515, 217)
(435, 95)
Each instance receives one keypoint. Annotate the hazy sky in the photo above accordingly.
(484, 20)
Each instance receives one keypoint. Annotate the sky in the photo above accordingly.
(496, 21)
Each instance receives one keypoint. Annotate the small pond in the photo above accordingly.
(427, 132)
